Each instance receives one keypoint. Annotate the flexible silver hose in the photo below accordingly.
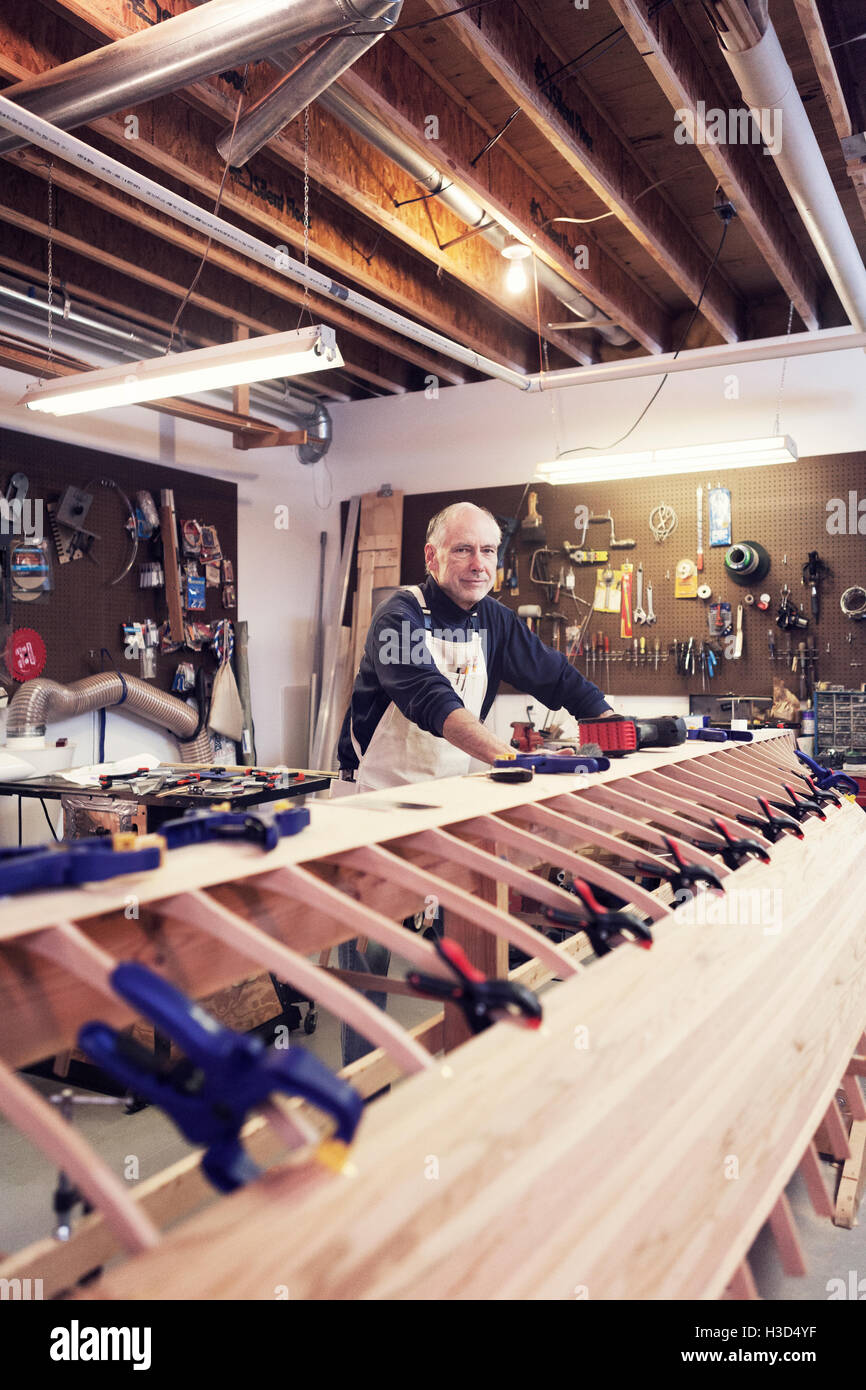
(41, 702)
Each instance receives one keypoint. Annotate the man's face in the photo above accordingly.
(464, 563)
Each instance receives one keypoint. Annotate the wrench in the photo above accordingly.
(639, 616)
(650, 615)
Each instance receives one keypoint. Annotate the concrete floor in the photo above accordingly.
(150, 1139)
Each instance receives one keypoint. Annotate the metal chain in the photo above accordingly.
(51, 261)
(784, 369)
(304, 304)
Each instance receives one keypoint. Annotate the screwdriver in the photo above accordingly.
(607, 659)
(657, 654)
(771, 642)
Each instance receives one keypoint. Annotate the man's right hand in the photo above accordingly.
(469, 735)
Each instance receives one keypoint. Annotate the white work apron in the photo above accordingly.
(399, 751)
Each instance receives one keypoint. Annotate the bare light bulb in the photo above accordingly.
(515, 278)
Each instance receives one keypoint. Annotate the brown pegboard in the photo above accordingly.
(785, 508)
(84, 613)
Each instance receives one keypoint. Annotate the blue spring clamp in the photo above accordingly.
(555, 762)
(264, 825)
(826, 778)
(71, 862)
(224, 1075)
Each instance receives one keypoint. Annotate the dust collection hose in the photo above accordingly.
(41, 702)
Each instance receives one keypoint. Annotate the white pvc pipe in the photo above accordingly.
(768, 87)
(102, 166)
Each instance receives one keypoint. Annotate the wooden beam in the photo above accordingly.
(515, 55)
(180, 142)
(90, 228)
(831, 85)
(678, 66)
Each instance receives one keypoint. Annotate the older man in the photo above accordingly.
(433, 661)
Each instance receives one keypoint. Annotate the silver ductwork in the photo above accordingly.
(319, 426)
(310, 76)
(768, 88)
(218, 35)
(41, 702)
(463, 205)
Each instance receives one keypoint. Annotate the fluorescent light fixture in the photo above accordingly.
(187, 373)
(652, 463)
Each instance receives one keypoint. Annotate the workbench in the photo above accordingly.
(161, 807)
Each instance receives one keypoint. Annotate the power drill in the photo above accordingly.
(619, 734)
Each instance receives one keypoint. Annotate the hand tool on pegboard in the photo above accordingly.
(532, 525)
(814, 570)
(626, 615)
(173, 591)
(700, 554)
(508, 526)
(222, 1078)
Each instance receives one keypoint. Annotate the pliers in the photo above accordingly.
(600, 925)
(483, 1001)
(224, 1075)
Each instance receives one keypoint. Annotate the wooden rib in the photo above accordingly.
(581, 812)
(812, 1175)
(492, 827)
(448, 846)
(717, 788)
(578, 830)
(691, 811)
(205, 913)
(67, 945)
(762, 782)
(66, 1148)
(633, 806)
(697, 787)
(306, 887)
(375, 859)
(742, 1285)
(786, 1236)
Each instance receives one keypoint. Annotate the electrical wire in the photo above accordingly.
(216, 208)
(48, 818)
(583, 221)
(617, 34)
(681, 344)
(423, 23)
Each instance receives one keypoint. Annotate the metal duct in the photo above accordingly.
(218, 35)
(371, 129)
(40, 702)
(320, 429)
(767, 86)
(306, 80)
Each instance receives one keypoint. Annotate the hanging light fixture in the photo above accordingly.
(296, 353)
(515, 252)
(652, 463)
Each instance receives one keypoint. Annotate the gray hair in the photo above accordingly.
(438, 523)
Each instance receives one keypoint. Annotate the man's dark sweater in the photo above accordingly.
(396, 666)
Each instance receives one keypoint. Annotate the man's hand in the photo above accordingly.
(469, 735)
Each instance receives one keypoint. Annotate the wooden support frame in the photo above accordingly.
(691, 1035)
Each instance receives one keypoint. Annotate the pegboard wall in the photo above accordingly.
(84, 612)
(787, 509)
